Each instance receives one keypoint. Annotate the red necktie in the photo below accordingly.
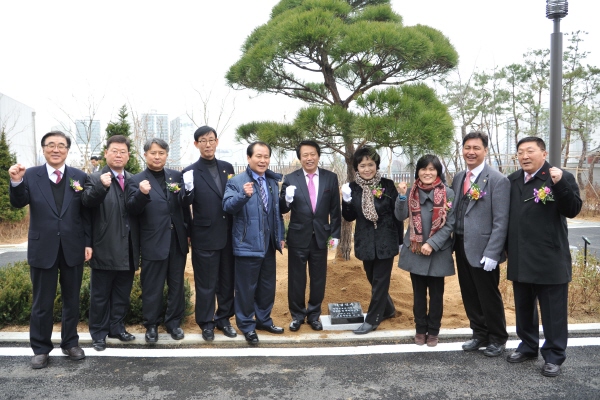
(58, 176)
(467, 182)
(121, 183)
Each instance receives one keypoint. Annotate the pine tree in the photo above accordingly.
(7, 212)
(122, 127)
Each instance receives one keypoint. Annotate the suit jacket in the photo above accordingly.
(486, 219)
(538, 243)
(211, 224)
(440, 262)
(110, 221)
(324, 222)
(50, 228)
(371, 243)
(156, 211)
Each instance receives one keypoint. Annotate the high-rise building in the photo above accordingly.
(156, 125)
(18, 122)
(182, 132)
(88, 137)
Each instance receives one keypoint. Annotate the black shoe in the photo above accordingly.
(228, 331)
(474, 344)
(494, 350)
(271, 329)
(75, 353)
(517, 357)
(99, 345)
(391, 315)
(365, 328)
(251, 337)
(316, 325)
(295, 325)
(208, 334)
(176, 333)
(151, 334)
(551, 370)
(123, 336)
(39, 361)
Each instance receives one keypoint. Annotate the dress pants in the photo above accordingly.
(44, 282)
(214, 272)
(110, 293)
(379, 273)
(428, 322)
(553, 300)
(481, 298)
(255, 280)
(153, 276)
(317, 270)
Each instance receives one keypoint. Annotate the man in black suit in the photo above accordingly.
(312, 195)
(542, 197)
(161, 241)
(59, 239)
(212, 254)
(112, 264)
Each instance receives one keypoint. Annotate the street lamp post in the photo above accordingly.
(555, 10)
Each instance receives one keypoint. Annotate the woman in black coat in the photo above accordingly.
(370, 201)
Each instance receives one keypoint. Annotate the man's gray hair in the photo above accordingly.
(164, 145)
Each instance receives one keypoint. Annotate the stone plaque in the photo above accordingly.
(346, 313)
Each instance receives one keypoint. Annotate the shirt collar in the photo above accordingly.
(51, 169)
(477, 170)
(306, 173)
(256, 176)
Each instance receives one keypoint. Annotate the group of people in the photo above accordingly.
(234, 226)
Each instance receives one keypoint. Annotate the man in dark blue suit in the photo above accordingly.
(212, 254)
(312, 195)
(252, 198)
(161, 239)
(59, 239)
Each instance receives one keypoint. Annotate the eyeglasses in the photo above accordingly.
(529, 152)
(117, 152)
(59, 146)
(210, 141)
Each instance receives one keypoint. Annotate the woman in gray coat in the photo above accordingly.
(427, 249)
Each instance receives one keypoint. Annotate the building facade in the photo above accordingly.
(18, 122)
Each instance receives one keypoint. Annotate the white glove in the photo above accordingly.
(334, 243)
(289, 193)
(488, 264)
(346, 193)
(188, 180)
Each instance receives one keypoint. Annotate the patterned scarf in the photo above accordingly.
(368, 206)
(438, 217)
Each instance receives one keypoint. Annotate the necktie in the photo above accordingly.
(263, 195)
(528, 177)
(312, 192)
(58, 175)
(121, 182)
(467, 182)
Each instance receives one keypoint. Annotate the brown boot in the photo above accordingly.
(420, 339)
(432, 340)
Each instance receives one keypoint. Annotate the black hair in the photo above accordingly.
(427, 159)
(117, 139)
(56, 133)
(204, 130)
(250, 149)
(476, 135)
(164, 145)
(539, 141)
(308, 143)
(365, 151)
(94, 158)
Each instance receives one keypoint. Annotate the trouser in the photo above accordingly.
(428, 322)
(379, 273)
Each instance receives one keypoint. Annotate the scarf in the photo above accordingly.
(438, 217)
(368, 206)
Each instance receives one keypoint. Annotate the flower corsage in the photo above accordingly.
(173, 187)
(542, 195)
(75, 185)
(475, 192)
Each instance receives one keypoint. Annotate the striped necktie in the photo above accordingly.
(263, 195)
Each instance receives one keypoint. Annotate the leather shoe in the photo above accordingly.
(474, 344)
(75, 353)
(99, 345)
(391, 315)
(432, 340)
(176, 333)
(251, 337)
(365, 328)
(316, 325)
(39, 361)
(420, 339)
(551, 370)
(295, 325)
(517, 357)
(228, 331)
(208, 334)
(123, 336)
(151, 334)
(494, 350)
(271, 329)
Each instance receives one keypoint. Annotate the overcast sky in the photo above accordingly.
(153, 55)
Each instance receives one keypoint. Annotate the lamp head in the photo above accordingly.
(556, 9)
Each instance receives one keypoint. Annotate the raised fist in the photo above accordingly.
(16, 172)
(145, 186)
(106, 179)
